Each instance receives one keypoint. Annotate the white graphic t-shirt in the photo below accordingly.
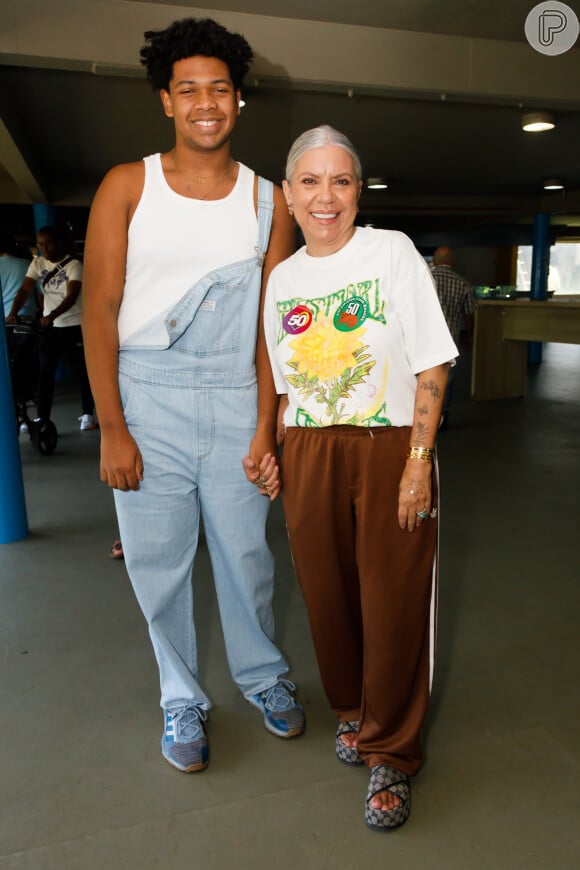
(348, 333)
(54, 290)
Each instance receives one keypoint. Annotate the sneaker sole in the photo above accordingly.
(288, 735)
(193, 768)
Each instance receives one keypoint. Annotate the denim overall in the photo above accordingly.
(192, 409)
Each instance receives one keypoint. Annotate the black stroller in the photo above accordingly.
(22, 339)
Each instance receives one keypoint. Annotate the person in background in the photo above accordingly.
(457, 302)
(360, 350)
(176, 248)
(14, 264)
(59, 275)
(13, 268)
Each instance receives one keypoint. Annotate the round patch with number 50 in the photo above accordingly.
(297, 320)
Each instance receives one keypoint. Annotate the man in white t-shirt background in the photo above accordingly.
(59, 277)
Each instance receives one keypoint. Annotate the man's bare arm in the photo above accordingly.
(282, 245)
(20, 299)
(103, 283)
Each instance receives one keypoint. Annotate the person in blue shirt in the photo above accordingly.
(13, 268)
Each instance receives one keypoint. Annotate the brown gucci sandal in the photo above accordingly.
(385, 778)
(344, 753)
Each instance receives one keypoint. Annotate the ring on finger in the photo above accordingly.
(421, 514)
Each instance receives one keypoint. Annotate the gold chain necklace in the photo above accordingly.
(201, 179)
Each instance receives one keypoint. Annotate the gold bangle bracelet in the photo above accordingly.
(424, 453)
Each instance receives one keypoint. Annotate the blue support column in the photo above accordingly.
(13, 521)
(539, 283)
(44, 216)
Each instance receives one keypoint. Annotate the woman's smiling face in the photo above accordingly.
(323, 192)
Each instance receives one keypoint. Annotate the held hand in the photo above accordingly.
(45, 322)
(121, 461)
(12, 318)
(261, 464)
(415, 494)
(266, 476)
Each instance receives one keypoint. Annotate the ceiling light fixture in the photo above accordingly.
(537, 122)
(376, 184)
(553, 184)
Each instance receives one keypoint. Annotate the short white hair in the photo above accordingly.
(318, 137)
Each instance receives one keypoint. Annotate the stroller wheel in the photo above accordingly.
(44, 436)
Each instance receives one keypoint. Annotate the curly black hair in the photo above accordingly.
(189, 37)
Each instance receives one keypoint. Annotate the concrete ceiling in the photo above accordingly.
(430, 91)
(476, 18)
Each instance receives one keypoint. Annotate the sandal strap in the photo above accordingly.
(384, 778)
(347, 728)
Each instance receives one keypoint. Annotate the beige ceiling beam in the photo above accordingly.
(16, 167)
(106, 35)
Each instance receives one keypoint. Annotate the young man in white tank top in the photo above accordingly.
(176, 249)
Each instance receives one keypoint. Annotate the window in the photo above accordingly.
(564, 273)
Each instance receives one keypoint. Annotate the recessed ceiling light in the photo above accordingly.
(553, 184)
(376, 184)
(537, 122)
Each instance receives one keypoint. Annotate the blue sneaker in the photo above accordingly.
(283, 715)
(184, 744)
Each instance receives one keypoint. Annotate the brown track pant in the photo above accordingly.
(369, 586)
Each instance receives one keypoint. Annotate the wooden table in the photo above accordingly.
(502, 329)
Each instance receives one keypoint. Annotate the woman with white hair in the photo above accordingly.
(359, 346)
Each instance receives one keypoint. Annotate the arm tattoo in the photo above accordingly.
(432, 387)
(423, 410)
(420, 433)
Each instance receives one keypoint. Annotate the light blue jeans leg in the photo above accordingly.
(159, 529)
(234, 516)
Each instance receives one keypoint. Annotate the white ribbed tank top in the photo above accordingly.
(174, 241)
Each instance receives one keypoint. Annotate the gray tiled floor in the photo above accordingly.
(82, 781)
